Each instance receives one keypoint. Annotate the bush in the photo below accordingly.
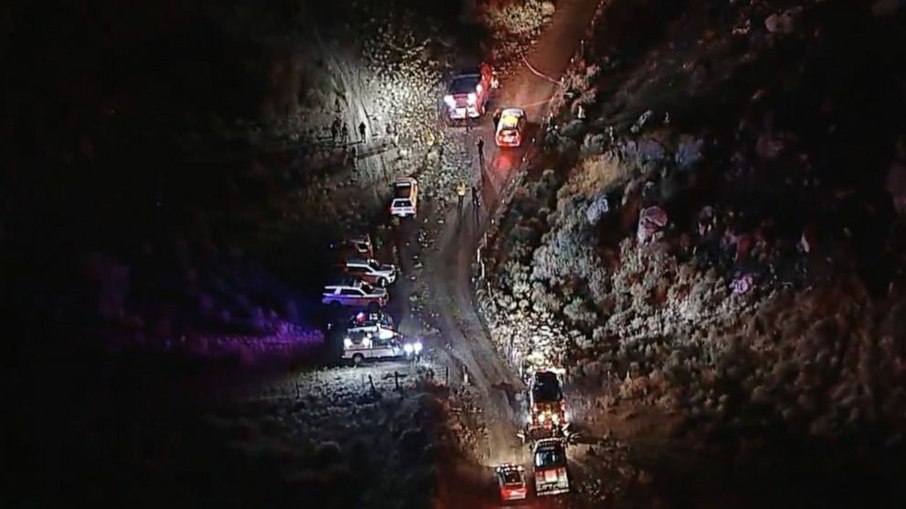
(518, 17)
(579, 313)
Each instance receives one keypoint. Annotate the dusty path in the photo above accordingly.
(457, 243)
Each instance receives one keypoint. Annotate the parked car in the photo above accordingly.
(468, 93)
(405, 198)
(511, 482)
(378, 324)
(510, 127)
(356, 293)
(370, 271)
(362, 346)
(358, 246)
(549, 465)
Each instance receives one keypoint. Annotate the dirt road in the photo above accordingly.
(531, 88)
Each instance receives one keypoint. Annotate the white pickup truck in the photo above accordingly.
(405, 198)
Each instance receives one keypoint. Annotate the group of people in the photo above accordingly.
(339, 131)
(461, 186)
(461, 194)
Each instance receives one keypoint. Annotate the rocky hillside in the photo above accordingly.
(720, 230)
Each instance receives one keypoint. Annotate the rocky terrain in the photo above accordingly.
(719, 233)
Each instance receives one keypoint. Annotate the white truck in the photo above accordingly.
(359, 347)
(405, 198)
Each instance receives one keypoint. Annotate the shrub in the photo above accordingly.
(520, 17)
(688, 151)
(596, 173)
(579, 313)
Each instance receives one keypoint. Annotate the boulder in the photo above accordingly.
(651, 221)
(780, 22)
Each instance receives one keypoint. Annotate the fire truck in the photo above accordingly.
(549, 467)
(547, 407)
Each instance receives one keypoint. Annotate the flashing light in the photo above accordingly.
(347, 343)
(449, 101)
(472, 98)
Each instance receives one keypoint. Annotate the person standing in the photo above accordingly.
(334, 130)
(460, 193)
(480, 145)
(476, 201)
(362, 128)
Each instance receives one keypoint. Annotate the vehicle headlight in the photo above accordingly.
(418, 346)
(347, 343)
(449, 101)
(472, 98)
(407, 348)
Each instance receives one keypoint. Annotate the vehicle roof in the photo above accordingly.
(516, 112)
(366, 238)
(508, 466)
(546, 377)
(548, 443)
(408, 181)
(372, 319)
(464, 83)
(345, 282)
(361, 261)
(512, 476)
(508, 122)
(546, 387)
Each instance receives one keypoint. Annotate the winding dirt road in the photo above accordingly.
(531, 87)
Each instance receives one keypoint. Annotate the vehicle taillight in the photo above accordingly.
(514, 492)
